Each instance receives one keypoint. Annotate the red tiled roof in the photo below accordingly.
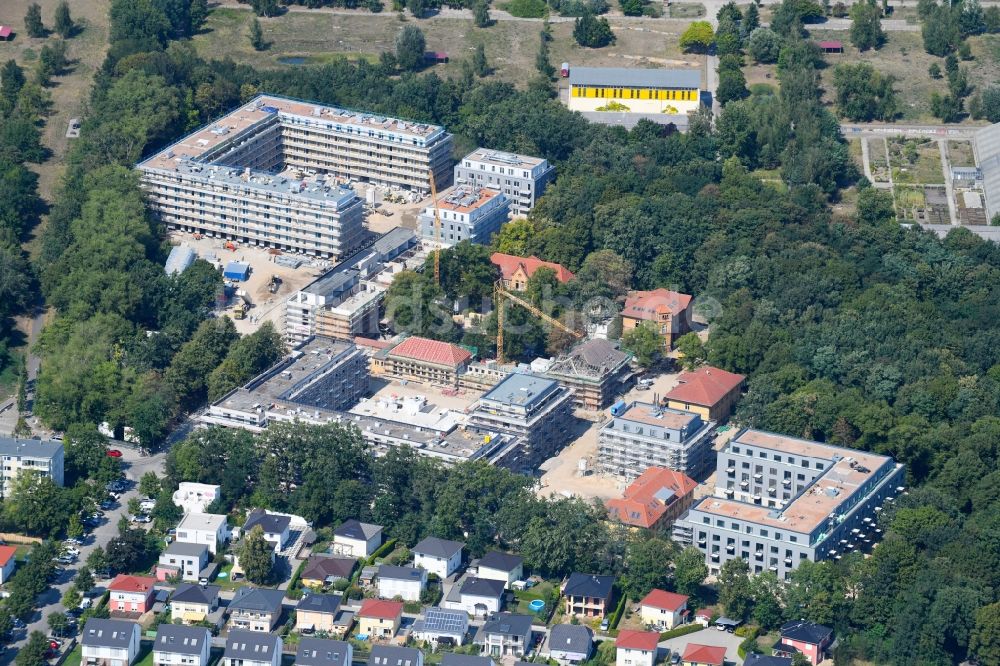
(833, 44)
(704, 654)
(637, 640)
(5, 31)
(127, 583)
(670, 601)
(431, 351)
(508, 264)
(369, 342)
(646, 305)
(6, 554)
(705, 386)
(639, 505)
(386, 610)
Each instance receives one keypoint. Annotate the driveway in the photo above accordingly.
(710, 636)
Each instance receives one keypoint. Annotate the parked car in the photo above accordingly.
(114, 453)
(605, 624)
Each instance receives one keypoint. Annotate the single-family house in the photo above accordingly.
(8, 562)
(387, 655)
(178, 645)
(210, 529)
(440, 626)
(438, 556)
(368, 576)
(192, 603)
(478, 597)
(636, 648)
(379, 618)
(321, 570)
(255, 609)
(324, 652)
(588, 595)
(501, 566)
(184, 561)
(276, 527)
(811, 639)
(696, 654)
(356, 539)
(754, 659)
(317, 612)
(406, 583)
(452, 659)
(130, 594)
(662, 610)
(570, 643)
(505, 635)
(109, 642)
(252, 648)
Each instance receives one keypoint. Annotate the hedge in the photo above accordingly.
(619, 610)
(683, 630)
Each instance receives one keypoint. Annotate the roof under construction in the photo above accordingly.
(593, 359)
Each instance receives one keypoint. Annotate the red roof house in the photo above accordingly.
(710, 392)
(515, 270)
(8, 562)
(654, 499)
(663, 610)
(381, 609)
(637, 640)
(664, 600)
(666, 310)
(423, 360)
(704, 655)
(832, 46)
(130, 594)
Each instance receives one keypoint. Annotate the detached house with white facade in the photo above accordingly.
(177, 645)
(109, 642)
(438, 556)
(407, 583)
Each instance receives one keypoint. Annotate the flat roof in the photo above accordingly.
(313, 189)
(665, 417)
(500, 158)
(521, 389)
(465, 199)
(412, 410)
(31, 448)
(621, 77)
(801, 447)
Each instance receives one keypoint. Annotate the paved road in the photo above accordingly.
(946, 174)
(917, 131)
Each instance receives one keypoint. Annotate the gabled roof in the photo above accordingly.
(320, 567)
(252, 645)
(647, 498)
(637, 640)
(509, 263)
(133, 584)
(379, 608)
(389, 572)
(431, 351)
(184, 549)
(269, 522)
(354, 529)
(589, 585)
(483, 587)
(190, 593)
(452, 659)
(257, 599)
(506, 624)
(7, 553)
(388, 655)
(319, 603)
(669, 601)
(179, 639)
(647, 305)
(322, 652)
(501, 561)
(442, 620)
(806, 632)
(705, 654)
(108, 633)
(571, 638)
(705, 386)
(435, 547)
(754, 659)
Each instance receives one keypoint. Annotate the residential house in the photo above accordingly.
(505, 635)
(386, 655)
(406, 583)
(342, 623)
(452, 659)
(179, 645)
(662, 610)
(322, 570)
(811, 639)
(255, 609)
(654, 500)
(184, 561)
(192, 603)
(504, 567)
(523, 178)
(588, 595)
(109, 642)
(130, 594)
(438, 556)
(324, 652)
(703, 655)
(317, 612)
(45, 458)
(440, 626)
(667, 311)
(8, 562)
(195, 497)
(636, 648)
(516, 271)
(252, 648)
(379, 619)
(709, 392)
(276, 527)
(356, 539)
(210, 529)
(754, 659)
(476, 596)
(570, 643)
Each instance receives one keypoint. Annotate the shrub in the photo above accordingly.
(526, 8)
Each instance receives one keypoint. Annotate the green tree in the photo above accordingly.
(592, 31)
(410, 46)
(864, 94)
(645, 343)
(934, 70)
(645, 566)
(940, 32)
(72, 597)
(875, 206)
(866, 26)
(33, 653)
(985, 640)
(764, 45)
(735, 593)
(689, 571)
(198, 13)
(481, 14)
(751, 21)
(255, 555)
(57, 623)
(692, 349)
(149, 484)
(33, 21)
(632, 7)
(192, 365)
(248, 357)
(266, 8)
(989, 103)
(732, 85)
(84, 580)
(257, 35)
(98, 560)
(698, 37)
(418, 7)
(37, 505)
(63, 21)
(479, 64)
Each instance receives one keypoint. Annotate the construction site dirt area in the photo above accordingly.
(460, 401)
(394, 208)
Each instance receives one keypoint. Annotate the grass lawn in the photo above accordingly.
(73, 658)
(960, 154)
(145, 657)
(21, 551)
(687, 10)
(227, 582)
(908, 198)
(924, 169)
(525, 597)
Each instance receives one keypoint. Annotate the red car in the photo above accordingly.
(114, 453)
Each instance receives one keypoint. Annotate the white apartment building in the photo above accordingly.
(45, 458)
(407, 583)
(647, 435)
(195, 497)
(208, 529)
(467, 213)
(521, 177)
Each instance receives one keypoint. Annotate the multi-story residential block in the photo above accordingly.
(506, 635)
(668, 312)
(467, 213)
(324, 652)
(255, 609)
(536, 409)
(521, 177)
(388, 655)
(646, 435)
(654, 500)
(636, 648)
(317, 612)
(192, 603)
(407, 583)
(503, 567)
(595, 370)
(251, 648)
(570, 643)
(438, 556)
(440, 626)
(184, 561)
(45, 458)
(210, 529)
(130, 594)
(662, 610)
(8, 562)
(780, 500)
(177, 645)
(709, 392)
(379, 619)
(109, 642)
(588, 595)
(195, 497)
(422, 360)
(356, 539)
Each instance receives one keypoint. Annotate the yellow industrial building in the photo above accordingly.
(646, 91)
